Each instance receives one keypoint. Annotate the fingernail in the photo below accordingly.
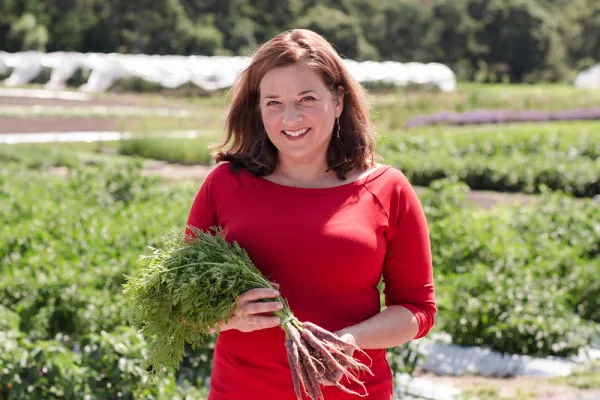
(279, 306)
(276, 292)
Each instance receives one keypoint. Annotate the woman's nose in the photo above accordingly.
(291, 115)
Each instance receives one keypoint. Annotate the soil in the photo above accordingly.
(56, 124)
(522, 388)
(107, 100)
(76, 124)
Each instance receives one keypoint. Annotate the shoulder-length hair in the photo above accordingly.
(250, 147)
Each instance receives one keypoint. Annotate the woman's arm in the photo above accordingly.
(408, 278)
(392, 327)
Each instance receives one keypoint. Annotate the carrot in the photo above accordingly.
(345, 360)
(318, 346)
(356, 365)
(303, 348)
(307, 358)
(294, 360)
(324, 334)
(345, 389)
(330, 377)
(304, 378)
(311, 373)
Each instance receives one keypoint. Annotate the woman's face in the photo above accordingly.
(298, 112)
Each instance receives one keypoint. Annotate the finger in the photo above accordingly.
(257, 294)
(259, 307)
(263, 322)
(275, 285)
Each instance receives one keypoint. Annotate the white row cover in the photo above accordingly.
(209, 73)
(589, 78)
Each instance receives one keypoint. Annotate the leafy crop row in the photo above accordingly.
(520, 280)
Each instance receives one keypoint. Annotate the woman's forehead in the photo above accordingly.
(291, 80)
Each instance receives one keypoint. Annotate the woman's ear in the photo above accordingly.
(339, 100)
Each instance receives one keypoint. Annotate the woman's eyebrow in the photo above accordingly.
(274, 96)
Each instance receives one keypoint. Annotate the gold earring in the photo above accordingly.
(338, 127)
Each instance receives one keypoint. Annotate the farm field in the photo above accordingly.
(515, 234)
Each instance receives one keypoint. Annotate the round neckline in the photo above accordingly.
(325, 190)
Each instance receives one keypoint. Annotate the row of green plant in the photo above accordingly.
(571, 140)
(518, 280)
(182, 151)
(517, 173)
(518, 158)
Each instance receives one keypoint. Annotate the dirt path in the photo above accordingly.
(108, 100)
(521, 388)
(56, 124)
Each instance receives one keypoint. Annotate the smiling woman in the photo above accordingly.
(298, 116)
(299, 190)
(297, 81)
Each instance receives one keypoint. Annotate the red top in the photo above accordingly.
(328, 249)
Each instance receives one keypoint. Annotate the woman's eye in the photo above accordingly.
(309, 98)
(272, 103)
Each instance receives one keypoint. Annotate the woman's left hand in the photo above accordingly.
(347, 337)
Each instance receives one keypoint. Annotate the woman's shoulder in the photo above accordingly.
(394, 193)
(225, 173)
(223, 180)
(388, 177)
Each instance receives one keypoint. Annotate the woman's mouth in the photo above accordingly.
(295, 135)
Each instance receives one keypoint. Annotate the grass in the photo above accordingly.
(584, 378)
(60, 154)
(183, 151)
(494, 393)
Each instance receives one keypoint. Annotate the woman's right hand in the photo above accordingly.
(246, 318)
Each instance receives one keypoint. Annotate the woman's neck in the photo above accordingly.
(304, 174)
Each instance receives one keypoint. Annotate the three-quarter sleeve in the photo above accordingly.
(407, 271)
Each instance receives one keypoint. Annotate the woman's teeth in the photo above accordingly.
(296, 133)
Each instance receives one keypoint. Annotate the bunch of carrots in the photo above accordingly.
(317, 356)
(186, 288)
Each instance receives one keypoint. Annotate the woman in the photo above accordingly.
(298, 189)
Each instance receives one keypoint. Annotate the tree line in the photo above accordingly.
(482, 40)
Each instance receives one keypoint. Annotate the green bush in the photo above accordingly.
(103, 366)
(516, 279)
(67, 244)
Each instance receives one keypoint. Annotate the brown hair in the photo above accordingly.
(252, 149)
